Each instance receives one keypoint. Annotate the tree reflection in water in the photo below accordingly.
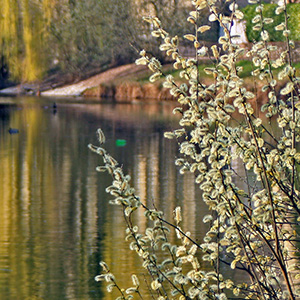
(55, 221)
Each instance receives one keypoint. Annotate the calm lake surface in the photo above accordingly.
(55, 220)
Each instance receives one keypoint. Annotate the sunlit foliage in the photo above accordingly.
(253, 221)
(293, 10)
(23, 36)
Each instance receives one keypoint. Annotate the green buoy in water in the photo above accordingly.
(121, 143)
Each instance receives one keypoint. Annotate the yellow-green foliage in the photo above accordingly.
(23, 38)
(9, 34)
(293, 11)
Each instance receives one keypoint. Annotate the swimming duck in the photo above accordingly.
(13, 130)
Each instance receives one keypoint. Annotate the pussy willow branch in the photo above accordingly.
(130, 226)
(279, 255)
(258, 285)
(292, 95)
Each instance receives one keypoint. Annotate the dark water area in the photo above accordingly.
(55, 220)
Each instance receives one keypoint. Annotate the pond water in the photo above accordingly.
(55, 220)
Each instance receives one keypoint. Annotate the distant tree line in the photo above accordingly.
(75, 37)
(70, 36)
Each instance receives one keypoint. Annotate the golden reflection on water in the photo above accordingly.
(55, 221)
(41, 228)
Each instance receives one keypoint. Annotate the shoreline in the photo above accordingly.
(125, 83)
(113, 83)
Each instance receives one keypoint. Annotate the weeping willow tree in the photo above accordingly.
(9, 33)
(24, 32)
